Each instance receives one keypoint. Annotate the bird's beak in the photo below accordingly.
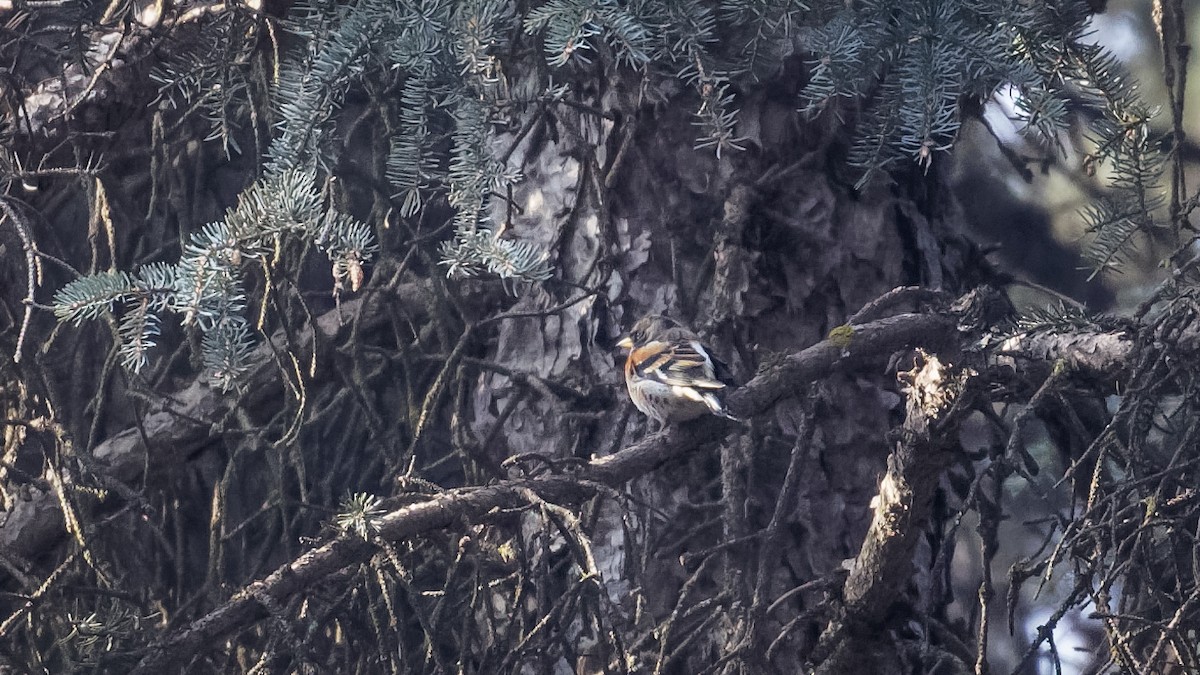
(625, 343)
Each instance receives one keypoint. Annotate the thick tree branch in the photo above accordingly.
(731, 278)
(936, 395)
(848, 349)
(862, 347)
(1096, 354)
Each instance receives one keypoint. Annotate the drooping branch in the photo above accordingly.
(180, 426)
(36, 524)
(869, 346)
(850, 348)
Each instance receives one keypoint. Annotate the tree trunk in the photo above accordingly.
(765, 252)
(711, 547)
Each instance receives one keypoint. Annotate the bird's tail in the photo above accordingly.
(717, 406)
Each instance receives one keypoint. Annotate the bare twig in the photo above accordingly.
(32, 271)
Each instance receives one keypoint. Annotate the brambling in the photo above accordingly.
(671, 375)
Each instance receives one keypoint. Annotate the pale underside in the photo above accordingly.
(667, 403)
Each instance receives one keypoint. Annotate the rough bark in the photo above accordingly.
(531, 523)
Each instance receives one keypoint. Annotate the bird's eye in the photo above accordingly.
(637, 336)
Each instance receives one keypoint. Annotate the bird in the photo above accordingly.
(671, 375)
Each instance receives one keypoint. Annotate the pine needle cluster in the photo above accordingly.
(205, 288)
(909, 66)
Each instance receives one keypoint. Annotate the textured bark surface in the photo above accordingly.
(431, 473)
(765, 251)
(688, 540)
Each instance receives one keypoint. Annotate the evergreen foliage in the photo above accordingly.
(359, 513)
(902, 77)
(898, 73)
(1134, 195)
(205, 287)
(906, 69)
(212, 71)
(910, 65)
(1057, 317)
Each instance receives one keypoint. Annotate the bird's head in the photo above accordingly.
(651, 328)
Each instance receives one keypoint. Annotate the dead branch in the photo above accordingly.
(937, 396)
(1100, 354)
(183, 424)
(179, 427)
(870, 347)
(875, 578)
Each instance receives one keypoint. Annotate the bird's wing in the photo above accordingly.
(682, 363)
